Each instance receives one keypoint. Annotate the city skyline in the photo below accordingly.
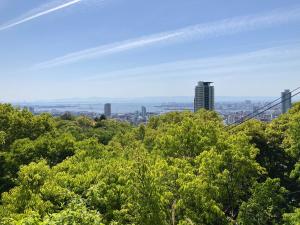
(83, 48)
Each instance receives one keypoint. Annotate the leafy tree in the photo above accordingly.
(292, 218)
(277, 144)
(189, 137)
(2, 137)
(25, 197)
(230, 172)
(19, 124)
(67, 116)
(266, 205)
(102, 117)
(54, 149)
(74, 213)
(147, 192)
(109, 195)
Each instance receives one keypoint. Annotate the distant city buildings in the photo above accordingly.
(286, 101)
(135, 118)
(204, 96)
(231, 111)
(107, 110)
(256, 109)
(236, 112)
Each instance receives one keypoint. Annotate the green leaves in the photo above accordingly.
(19, 124)
(266, 205)
(229, 173)
(189, 137)
(292, 218)
(75, 213)
(2, 137)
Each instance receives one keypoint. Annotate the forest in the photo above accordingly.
(181, 168)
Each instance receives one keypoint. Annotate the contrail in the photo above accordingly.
(282, 57)
(27, 18)
(199, 31)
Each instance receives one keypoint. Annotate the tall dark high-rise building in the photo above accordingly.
(107, 110)
(286, 101)
(204, 96)
(144, 111)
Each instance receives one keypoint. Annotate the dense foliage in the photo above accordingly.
(181, 168)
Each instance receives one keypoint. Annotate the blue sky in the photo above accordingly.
(131, 48)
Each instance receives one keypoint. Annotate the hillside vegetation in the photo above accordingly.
(181, 168)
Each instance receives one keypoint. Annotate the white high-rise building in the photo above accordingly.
(204, 96)
(286, 101)
(107, 110)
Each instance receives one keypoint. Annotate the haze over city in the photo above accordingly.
(117, 48)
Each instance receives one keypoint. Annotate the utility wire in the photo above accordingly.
(235, 125)
(257, 110)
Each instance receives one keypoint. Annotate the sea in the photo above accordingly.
(116, 108)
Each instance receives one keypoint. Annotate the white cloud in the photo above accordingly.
(277, 59)
(41, 11)
(200, 31)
